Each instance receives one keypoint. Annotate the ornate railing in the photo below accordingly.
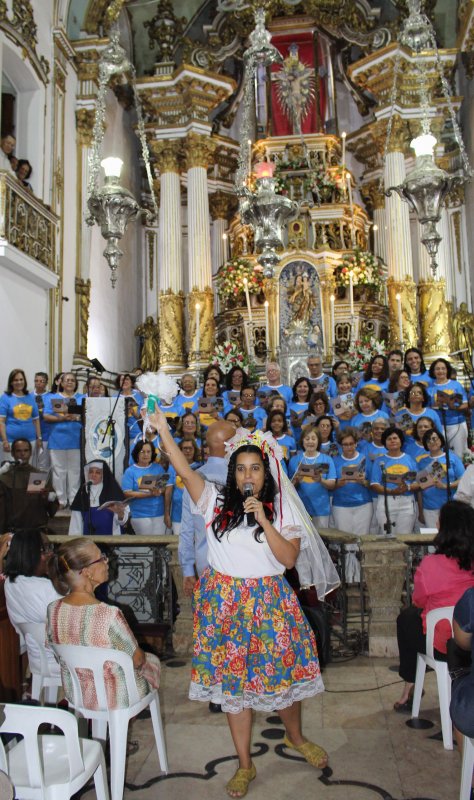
(26, 223)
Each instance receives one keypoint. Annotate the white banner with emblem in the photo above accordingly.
(102, 438)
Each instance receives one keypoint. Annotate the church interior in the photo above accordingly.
(247, 182)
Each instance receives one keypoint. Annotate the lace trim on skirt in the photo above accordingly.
(258, 702)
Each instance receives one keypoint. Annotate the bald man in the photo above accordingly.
(192, 548)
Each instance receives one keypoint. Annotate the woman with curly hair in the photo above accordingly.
(376, 375)
(252, 646)
(302, 392)
(449, 399)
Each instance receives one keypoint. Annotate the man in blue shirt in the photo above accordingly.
(192, 548)
(317, 377)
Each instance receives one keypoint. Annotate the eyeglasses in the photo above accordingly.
(103, 558)
(47, 548)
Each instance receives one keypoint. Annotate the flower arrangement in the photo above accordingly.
(230, 278)
(228, 355)
(365, 268)
(362, 350)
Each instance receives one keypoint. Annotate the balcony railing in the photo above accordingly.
(26, 223)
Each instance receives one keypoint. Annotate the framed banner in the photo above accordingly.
(102, 439)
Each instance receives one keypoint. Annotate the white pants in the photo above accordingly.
(457, 438)
(66, 466)
(149, 526)
(374, 525)
(176, 528)
(402, 512)
(354, 520)
(431, 517)
(320, 522)
(42, 458)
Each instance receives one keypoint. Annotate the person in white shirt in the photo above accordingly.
(7, 146)
(465, 490)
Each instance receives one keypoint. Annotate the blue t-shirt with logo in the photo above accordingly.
(433, 497)
(352, 494)
(314, 495)
(63, 435)
(394, 466)
(19, 413)
(149, 505)
(453, 416)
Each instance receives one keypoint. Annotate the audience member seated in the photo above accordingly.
(77, 569)
(317, 377)
(273, 373)
(313, 487)
(7, 146)
(99, 487)
(462, 694)
(28, 590)
(24, 503)
(146, 502)
(61, 409)
(440, 580)
(19, 415)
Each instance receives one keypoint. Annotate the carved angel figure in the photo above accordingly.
(296, 88)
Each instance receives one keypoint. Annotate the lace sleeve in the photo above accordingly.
(293, 532)
(206, 504)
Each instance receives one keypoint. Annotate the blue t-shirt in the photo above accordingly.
(433, 498)
(172, 412)
(187, 403)
(257, 413)
(394, 465)
(363, 422)
(155, 442)
(331, 449)
(325, 382)
(133, 404)
(64, 435)
(19, 413)
(314, 495)
(178, 488)
(148, 506)
(373, 383)
(372, 452)
(425, 412)
(352, 494)
(298, 410)
(421, 377)
(287, 444)
(453, 416)
(285, 391)
(415, 450)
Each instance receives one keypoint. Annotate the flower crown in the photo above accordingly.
(264, 441)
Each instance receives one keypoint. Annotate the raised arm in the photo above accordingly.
(194, 483)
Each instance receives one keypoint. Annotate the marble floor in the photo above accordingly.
(373, 755)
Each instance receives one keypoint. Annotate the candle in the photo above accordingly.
(398, 298)
(343, 148)
(264, 169)
(198, 332)
(246, 334)
(351, 293)
(351, 207)
(267, 327)
(333, 323)
(247, 297)
(225, 244)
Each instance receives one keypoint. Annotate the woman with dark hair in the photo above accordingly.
(416, 406)
(214, 371)
(339, 368)
(449, 399)
(416, 368)
(78, 568)
(318, 405)
(277, 424)
(302, 392)
(368, 403)
(414, 446)
(125, 384)
(235, 380)
(99, 487)
(235, 418)
(393, 477)
(19, 414)
(251, 638)
(326, 429)
(65, 437)
(175, 486)
(434, 488)
(440, 580)
(188, 427)
(211, 392)
(142, 486)
(376, 375)
(398, 383)
(28, 590)
(313, 488)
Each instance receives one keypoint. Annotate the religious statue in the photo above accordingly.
(150, 356)
(463, 329)
(302, 301)
(295, 88)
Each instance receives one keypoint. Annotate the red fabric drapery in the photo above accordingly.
(280, 123)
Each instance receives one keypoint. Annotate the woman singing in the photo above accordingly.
(252, 646)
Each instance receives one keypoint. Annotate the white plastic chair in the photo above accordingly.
(442, 675)
(45, 679)
(467, 768)
(47, 767)
(77, 657)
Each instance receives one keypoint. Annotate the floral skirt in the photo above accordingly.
(253, 647)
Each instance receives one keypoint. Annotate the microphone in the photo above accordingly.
(248, 492)
(88, 485)
(458, 352)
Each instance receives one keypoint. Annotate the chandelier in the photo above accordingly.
(426, 185)
(112, 206)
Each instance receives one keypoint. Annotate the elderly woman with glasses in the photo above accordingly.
(78, 568)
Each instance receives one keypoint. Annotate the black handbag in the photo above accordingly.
(459, 660)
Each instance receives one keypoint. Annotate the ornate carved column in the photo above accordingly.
(83, 297)
(170, 272)
(198, 152)
(384, 567)
(434, 318)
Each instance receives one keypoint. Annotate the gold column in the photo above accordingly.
(171, 325)
(270, 288)
(434, 318)
(407, 291)
(83, 297)
(205, 299)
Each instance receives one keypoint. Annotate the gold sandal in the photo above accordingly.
(313, 753)
(240, 781)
